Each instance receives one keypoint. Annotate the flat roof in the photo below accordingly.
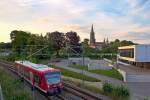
(132, 46)
(39, 67)
(127, 47)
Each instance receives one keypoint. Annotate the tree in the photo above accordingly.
(72, 38)
(56, 41)
(117, 40)
(126, 43)
(86, 42)
(5, 46)
(34, 43)
(112, 47)
(37, 47)
(19, 40)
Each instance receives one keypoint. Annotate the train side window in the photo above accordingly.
(20, 70)
(27, 74)
(36, 78)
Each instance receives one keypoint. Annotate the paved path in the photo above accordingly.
(130, 69)
(139, 90)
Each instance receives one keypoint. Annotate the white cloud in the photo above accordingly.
(64, 15)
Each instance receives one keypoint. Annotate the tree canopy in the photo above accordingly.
(28, 43)
(56, 40)
(72, 38)
(19, 40)
(112, 47)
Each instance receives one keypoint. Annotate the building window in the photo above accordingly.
(127, 53)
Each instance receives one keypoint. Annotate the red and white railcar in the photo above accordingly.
(40, 76)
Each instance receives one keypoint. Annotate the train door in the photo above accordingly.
(31, 78)
(20, 71)
(37, 80)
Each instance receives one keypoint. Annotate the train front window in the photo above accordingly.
(53, 77)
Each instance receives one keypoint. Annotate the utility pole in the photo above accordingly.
(67, 49)
(83, 63)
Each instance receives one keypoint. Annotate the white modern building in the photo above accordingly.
(138, 55)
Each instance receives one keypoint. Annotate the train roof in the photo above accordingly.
(39, 67)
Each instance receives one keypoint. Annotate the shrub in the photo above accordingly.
(117, 92)
(107, 88)
(146, 98)
(121, 92)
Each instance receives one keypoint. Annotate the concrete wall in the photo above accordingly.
(143, 64)
(123, 73)
(79, 61)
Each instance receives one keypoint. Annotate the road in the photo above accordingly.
(139, 90)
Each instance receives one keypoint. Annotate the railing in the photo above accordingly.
(1, 94)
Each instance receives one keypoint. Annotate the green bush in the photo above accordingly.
(121, 92)
(12, 57)
(107, 88)
(116, 92)
(146, 98)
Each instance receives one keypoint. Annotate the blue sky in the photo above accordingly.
(123, 19)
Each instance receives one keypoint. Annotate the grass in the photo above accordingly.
(79, 67)
(110, 73)
(85, 86)
(72, 74)
(116, 92)
(12, 88)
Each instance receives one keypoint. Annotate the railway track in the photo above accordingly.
(70, 91)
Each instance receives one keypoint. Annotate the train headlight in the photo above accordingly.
(60, 84)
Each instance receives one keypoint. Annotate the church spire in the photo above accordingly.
(104, 40)
(92, 29)
(107, 41)
(92, 36)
